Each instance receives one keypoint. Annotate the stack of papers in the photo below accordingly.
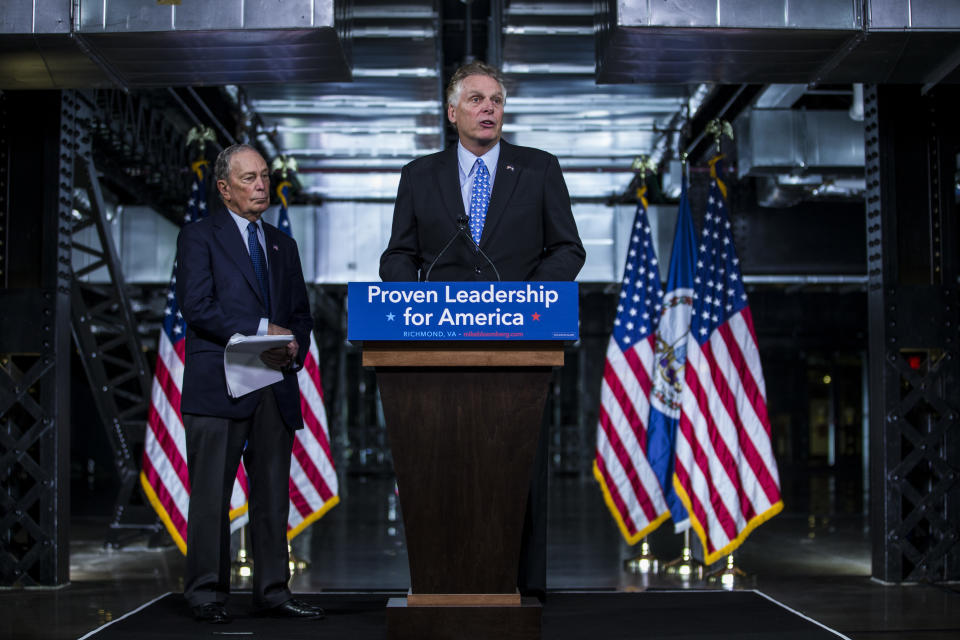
(246, 372)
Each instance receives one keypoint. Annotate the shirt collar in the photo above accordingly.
(467, 159)
(243, 223)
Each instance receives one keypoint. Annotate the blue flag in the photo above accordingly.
(670, 356)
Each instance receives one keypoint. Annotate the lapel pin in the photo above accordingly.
(509, 167)
(276, 248)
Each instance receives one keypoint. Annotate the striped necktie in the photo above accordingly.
(479, 200)
(259, 263)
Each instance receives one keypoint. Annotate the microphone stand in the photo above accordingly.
(462, 230)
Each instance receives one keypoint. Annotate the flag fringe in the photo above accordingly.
(608, 498)
(239, 511)
(756, 521)
(234, 514)
(162, 513)
(313, 517)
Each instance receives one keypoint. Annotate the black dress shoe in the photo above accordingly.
(293, 609)
(212, 612)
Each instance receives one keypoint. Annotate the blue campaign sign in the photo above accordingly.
(462, 311)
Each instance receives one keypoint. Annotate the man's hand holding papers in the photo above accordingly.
(253, 362)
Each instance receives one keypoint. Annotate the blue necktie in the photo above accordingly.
(479, 200)
(259, 263)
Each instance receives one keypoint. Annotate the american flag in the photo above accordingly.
(725, 468)
(164, 474)
(313, 479)
(629, 485)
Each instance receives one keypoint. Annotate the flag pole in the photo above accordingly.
(729, 576)
(284, 165)
(630, 487)
(644, 562)
(738, 488)
(686, 567)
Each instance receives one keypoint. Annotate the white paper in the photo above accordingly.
(245, 370)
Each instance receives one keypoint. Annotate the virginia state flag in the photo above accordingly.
(670, 356)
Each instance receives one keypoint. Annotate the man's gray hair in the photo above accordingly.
(221, 168)
(455, 87)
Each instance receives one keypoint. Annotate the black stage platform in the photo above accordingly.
(676, 615)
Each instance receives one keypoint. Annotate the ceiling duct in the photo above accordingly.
(771, 141)
(798, 155)
(133, 44)
(37, 50)
(218, 42)
(778, 41)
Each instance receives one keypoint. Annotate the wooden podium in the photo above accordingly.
(463, 420)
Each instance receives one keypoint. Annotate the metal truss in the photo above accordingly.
(105, 331)
(911, 146)
(139, 144)
(34, 355)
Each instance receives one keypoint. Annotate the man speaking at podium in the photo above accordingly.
(485, 209)
(512, 201)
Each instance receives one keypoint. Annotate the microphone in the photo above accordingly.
(462, 230)
(461, 226)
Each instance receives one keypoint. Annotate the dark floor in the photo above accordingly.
(729, 615)
(815, 560)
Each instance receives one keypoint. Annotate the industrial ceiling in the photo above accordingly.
(352, 89)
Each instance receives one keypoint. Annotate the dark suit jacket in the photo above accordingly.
(218, 295)
(529, 232)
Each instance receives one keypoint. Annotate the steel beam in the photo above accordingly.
(912, 254)
(35, 338)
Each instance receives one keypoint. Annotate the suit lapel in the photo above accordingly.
(508, 172)
(448, 177)
(232, 241)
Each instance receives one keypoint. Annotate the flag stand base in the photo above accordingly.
(241, 569)
(645, 562)
(297, 565)
(729, 577)
(686, 567)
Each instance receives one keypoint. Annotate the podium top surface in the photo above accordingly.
(463, 354)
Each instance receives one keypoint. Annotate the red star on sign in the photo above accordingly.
(536, 317)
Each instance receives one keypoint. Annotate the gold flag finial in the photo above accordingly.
(284, 164)
(719, 128)
(643, 165)
(200, 135)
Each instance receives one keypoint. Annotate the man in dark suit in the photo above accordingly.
(514, 211)
(237, 274)
(527, 230)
